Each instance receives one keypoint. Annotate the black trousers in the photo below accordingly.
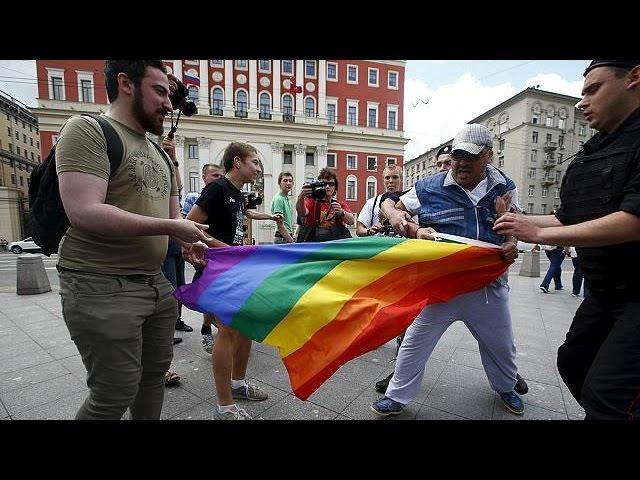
(600, 358)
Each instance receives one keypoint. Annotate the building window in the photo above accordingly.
(287, 67)
(500, 162)
(534, 137)
(560, 141)
(549, 137)
(13, 178)
(535, 118)
(193, 151)
(501, 145)
(18, 150)
(194, 182)
(21, 181)
(351, 115)
(543, 208)
(549, 122)
(372, 187)
(9, 130)
(32, 157)
(562, 123)
(17, 135)
(309, 160)
(24, 137)
(288, 157)
(582, 129)
(56, 82)
(544, 192)
(31, 141)
(352, 187)
(241, 103)
(534, 155)
(558, 175)
(332, 71)
(532, 173)
(529, 207)
(372, 119)
(391, 161)
(309, 107)
(37, 143)
(287, 107)
(85, 87)
(352, 162)
(560, 155)
(331, 160)
(265, 106)
(194, 94)
(217, 63)
(217, 102)
(352, 74)
(373, 77)
(556, 193)
(331, 113)
(372, 163)
(264, 66)
(310, 68)
(392, 81)
(392, 120)
(241, 64)
(532, 190)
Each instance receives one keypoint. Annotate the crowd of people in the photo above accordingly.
(118, 271)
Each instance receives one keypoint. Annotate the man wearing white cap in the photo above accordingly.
(463, 201)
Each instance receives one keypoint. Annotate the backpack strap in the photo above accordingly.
(115, 149)
(373, 209)
(164, 155)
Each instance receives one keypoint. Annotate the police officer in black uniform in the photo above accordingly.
(600, 214)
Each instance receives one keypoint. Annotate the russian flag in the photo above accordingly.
(191, 79)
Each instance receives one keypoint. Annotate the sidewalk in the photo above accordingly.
(42, 375)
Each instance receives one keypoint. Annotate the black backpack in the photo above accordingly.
(48, 221)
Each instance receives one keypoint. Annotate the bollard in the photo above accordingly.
(530, 264)
(31, 277)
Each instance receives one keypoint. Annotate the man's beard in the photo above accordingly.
(148, 122)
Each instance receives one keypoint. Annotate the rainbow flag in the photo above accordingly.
(323, 304)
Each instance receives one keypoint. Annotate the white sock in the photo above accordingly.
(227, 408)
(238, 383)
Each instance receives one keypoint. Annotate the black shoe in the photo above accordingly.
(176, 340)
(521, 386)
(381, 386)
(183, 327)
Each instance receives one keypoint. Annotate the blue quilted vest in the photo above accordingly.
(448, 209)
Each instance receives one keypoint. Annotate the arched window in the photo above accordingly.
(309, 107)
(241, 103)
(287, 107)
(352, 188)
(372, 187)
(194, 93)
(265, 105)
(217, 101)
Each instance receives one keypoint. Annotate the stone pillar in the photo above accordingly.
(322, 88)
(180, 156)
(228, 109)
(530, 264)
(299, 164)
(203, 151)
(253, 89)
(205, 96)
(277, 84)
(299, 82)
(31, 277)
(322, 157)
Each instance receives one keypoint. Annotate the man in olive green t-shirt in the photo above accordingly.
(281, 204)
(117, 305)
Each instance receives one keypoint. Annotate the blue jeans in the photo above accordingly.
(556, 257)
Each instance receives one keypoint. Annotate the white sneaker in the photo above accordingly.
(234, 414)
(207, 343)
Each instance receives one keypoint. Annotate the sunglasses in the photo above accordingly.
(460, 155)
(328, 184)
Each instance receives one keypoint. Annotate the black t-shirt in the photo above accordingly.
(224, 205)
(395, 196)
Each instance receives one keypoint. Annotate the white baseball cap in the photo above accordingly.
(473, 138)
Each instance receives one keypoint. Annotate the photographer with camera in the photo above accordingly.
(324, 216)
(369, 222)
(223, 204)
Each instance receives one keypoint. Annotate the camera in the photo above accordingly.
(251, 200)
(317, 190)
(180, 100)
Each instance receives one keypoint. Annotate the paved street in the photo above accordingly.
(42, 376)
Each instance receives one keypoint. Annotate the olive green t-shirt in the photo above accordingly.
(142, 184)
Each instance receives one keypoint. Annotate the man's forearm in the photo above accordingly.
(111, 221)
(544, 221)
(613, 229)
(257, 215)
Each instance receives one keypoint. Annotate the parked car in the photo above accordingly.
(26, 245)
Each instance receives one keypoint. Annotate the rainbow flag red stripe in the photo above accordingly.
(323, 304)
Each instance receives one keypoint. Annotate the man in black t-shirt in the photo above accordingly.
(222, 204)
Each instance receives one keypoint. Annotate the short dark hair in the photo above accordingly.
(327, 173)
(236, 149)
(284, 174)
(134, 69)
(207, 165)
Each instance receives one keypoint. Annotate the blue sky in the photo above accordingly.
(440, 95)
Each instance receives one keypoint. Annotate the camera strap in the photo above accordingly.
(373, 210)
